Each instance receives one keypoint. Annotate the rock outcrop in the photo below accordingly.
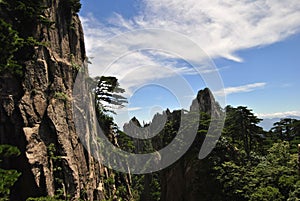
(36, 113)
(188, 179)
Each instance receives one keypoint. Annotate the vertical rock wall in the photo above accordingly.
(36, 113)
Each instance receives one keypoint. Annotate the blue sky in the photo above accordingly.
(253, 45)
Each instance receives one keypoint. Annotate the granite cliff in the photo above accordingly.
(36, 110)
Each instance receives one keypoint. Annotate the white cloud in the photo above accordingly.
(279, 114)
(241, 89)
(128, 109)
(220, 28)
(223, 27)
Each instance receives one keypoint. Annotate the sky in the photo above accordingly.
(163, 51)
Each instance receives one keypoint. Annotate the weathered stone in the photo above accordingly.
(33, 116)
(36, 153)
(8, 105)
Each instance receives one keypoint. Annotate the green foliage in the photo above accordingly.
(110, 180)
(10, 43)
(58, 174)
(266, 194)
(242, 166)
(7, 180)
(271, 178)
(125, 142)
(107, 93)
(287, 129)
(155, 187)
(45, 21)
(146, 186)
(8, 151)
(106, 122)
(17, 21)
(7, 177)
(74, 65)
(121, 192)
(61, 96)
(295, 194)
(241, 128)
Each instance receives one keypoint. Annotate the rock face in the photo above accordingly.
(36, 114)
(206, 103)
(186, 179)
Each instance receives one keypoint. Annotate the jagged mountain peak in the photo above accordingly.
(203, 102)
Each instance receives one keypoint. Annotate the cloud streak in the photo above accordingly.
(241, 89)
(219, 28)
(222, 28)
(129, 109)
(279, 114)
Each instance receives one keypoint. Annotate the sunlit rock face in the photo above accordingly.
(36, 113)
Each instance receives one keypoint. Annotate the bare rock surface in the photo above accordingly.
(36, 113)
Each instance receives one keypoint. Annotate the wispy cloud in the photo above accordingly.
(241, 89)
(219, 28)
(279, 114)
(126, 109)
(286, 85)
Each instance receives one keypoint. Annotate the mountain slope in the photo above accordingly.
(36, 110)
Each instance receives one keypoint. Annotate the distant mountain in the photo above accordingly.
(267, 123)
